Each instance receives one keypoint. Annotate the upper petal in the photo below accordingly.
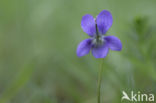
(104, 21)
(88, 24)
(113, 43)
(100, 52)
(84, 47)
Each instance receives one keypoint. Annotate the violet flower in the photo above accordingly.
(99, 44)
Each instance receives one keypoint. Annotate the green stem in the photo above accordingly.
(99, 81)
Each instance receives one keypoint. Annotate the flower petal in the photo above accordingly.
(104, 21)
(88, 24)
(100, 52)
(113, 43)
(84, 47)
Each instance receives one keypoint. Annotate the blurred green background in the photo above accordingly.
(38, 41)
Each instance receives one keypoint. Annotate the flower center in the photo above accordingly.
(98, 39)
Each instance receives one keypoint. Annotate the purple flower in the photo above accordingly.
(99, 44)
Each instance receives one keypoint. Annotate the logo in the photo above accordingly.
(137, 97)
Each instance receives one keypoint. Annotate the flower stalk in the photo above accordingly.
(99, 82)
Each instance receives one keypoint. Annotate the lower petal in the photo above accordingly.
(100, 52)
(84, 47)
(113, 43)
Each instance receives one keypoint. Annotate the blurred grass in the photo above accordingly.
(19, 81)
(49, 32)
